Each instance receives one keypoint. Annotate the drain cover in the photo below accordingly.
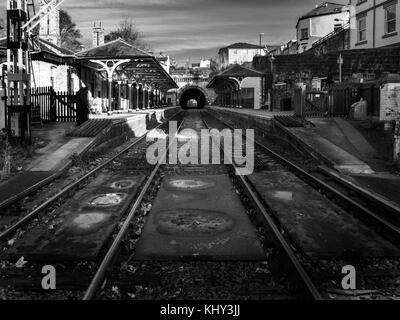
(193, 223)
(123, 184)
(191, 184)
(108, 200)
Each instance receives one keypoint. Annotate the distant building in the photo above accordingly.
(374, 23)
(205, 63)
(238, 53)
(289, 48)
(319, 22)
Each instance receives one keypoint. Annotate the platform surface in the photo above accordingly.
(261, 113)
(317, 226)
(341, 159)
(198, 218)
(82, 226)
(56, 160)
(387, 186)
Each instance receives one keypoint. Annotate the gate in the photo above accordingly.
(54, 106)
(336, 101)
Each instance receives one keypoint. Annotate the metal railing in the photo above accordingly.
(332, 34)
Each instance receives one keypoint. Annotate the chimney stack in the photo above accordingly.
(50, 27)
(98, 35)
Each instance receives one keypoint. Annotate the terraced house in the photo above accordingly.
(374, 23)
(319, 22)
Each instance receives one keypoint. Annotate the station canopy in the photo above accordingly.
(232, 78)
(121, 61)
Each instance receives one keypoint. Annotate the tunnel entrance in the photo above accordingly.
(193, 98)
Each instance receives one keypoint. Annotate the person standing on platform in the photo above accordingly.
(82, 105)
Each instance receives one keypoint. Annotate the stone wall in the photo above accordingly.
(368, 64)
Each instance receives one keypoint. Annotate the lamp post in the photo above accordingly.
(261, 35)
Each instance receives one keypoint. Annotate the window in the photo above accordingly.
(337, 27)
(390, 19)
(304, 34)
(362, 29)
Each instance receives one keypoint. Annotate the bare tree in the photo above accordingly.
(128, 31)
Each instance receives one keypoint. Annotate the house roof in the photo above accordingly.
(240, 71)
(273, 48)
(241, 45)
(324, 8)
(44, 49)
(40, 44)
(115, 49)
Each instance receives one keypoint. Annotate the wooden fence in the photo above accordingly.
(52, 106)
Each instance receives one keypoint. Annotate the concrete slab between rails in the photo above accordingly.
(82, 227)
(317, 226)
(198, 218)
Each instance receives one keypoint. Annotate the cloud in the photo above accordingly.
(183, 26)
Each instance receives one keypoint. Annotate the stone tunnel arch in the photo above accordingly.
(193, 93)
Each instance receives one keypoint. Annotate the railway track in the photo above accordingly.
(372, 210)
(119, 251)
(275, 232)
(107, 261)
(65, 191)
(369, 207)
(191, 170)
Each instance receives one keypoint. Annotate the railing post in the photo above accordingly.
(53, 107)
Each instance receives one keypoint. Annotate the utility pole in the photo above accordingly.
(340, 62)
(260, 50)
(18, 104)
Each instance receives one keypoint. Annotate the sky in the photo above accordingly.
(193, 28)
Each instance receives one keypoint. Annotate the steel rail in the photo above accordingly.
(112, 251)
(279, 239)
(14, 199)
(395, 230)
(71, 186)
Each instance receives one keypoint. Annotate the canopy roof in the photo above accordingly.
(232, 77)
(133, 63)
(44, 50)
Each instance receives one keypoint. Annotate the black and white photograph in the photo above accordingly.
(200, 155)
